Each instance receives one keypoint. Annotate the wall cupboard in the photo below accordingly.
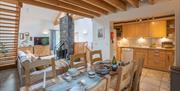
(154, 29)
(158, 29)
(129, 30)
(142, 29)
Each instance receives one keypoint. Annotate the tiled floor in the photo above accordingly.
(152, 80)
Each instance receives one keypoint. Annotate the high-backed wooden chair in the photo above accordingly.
(78, 61)
(137, 75)
(37, 76)
(123, 79)
(94, 54)
(80, 47)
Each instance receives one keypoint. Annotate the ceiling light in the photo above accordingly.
(140, 20)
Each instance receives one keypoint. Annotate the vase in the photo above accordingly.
(114, 67)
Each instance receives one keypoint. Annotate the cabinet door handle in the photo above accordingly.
(156, 51)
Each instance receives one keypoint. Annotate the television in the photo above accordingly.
(41, 40)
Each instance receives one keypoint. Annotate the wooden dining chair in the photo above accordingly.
(78, 61)
(122, 81)
(37, 76)
(137, 75)
(95, 56)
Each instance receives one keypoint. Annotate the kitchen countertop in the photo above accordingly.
(157, 48)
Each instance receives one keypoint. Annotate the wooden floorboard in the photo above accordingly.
(9, 80)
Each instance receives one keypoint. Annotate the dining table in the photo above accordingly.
(82, 81)
(79, 83)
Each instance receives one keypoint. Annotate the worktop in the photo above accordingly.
(157, 48)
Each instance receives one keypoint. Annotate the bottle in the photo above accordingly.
(114, 64)
(114, 61)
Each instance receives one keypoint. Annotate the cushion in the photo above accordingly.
(42, 58)
(42, 67)
(31, 55)
(47, 57)
(23, 56)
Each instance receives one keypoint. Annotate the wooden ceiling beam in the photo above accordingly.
(117, 3)
(32, 2)
(68, 6)
(87, 6)
(10, 1)
(134, 3)
(101, 4)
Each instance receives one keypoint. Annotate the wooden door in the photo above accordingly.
(158, 29)
(129, 30)
(142, 29)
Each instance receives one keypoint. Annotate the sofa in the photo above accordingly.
(24, 57)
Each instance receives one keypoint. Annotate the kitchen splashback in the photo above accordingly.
(142, 42)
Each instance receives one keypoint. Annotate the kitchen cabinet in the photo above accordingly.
(142, 29)
(158, 29)
(156, 59)
(118, 53)
(169, 58)
(42, 50)
(129, 30)
(139, 54)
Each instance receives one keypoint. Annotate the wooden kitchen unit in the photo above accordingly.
(154, 58)
(151, 38)
(145, 29)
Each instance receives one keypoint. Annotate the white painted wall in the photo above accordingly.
(83, 30)
(177, 22)
(102, 43)
(162, 7)
(36, 20)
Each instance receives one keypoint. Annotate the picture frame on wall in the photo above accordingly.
(21, 36)
(101, 33)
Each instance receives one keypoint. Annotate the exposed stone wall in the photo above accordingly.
(67, 33)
